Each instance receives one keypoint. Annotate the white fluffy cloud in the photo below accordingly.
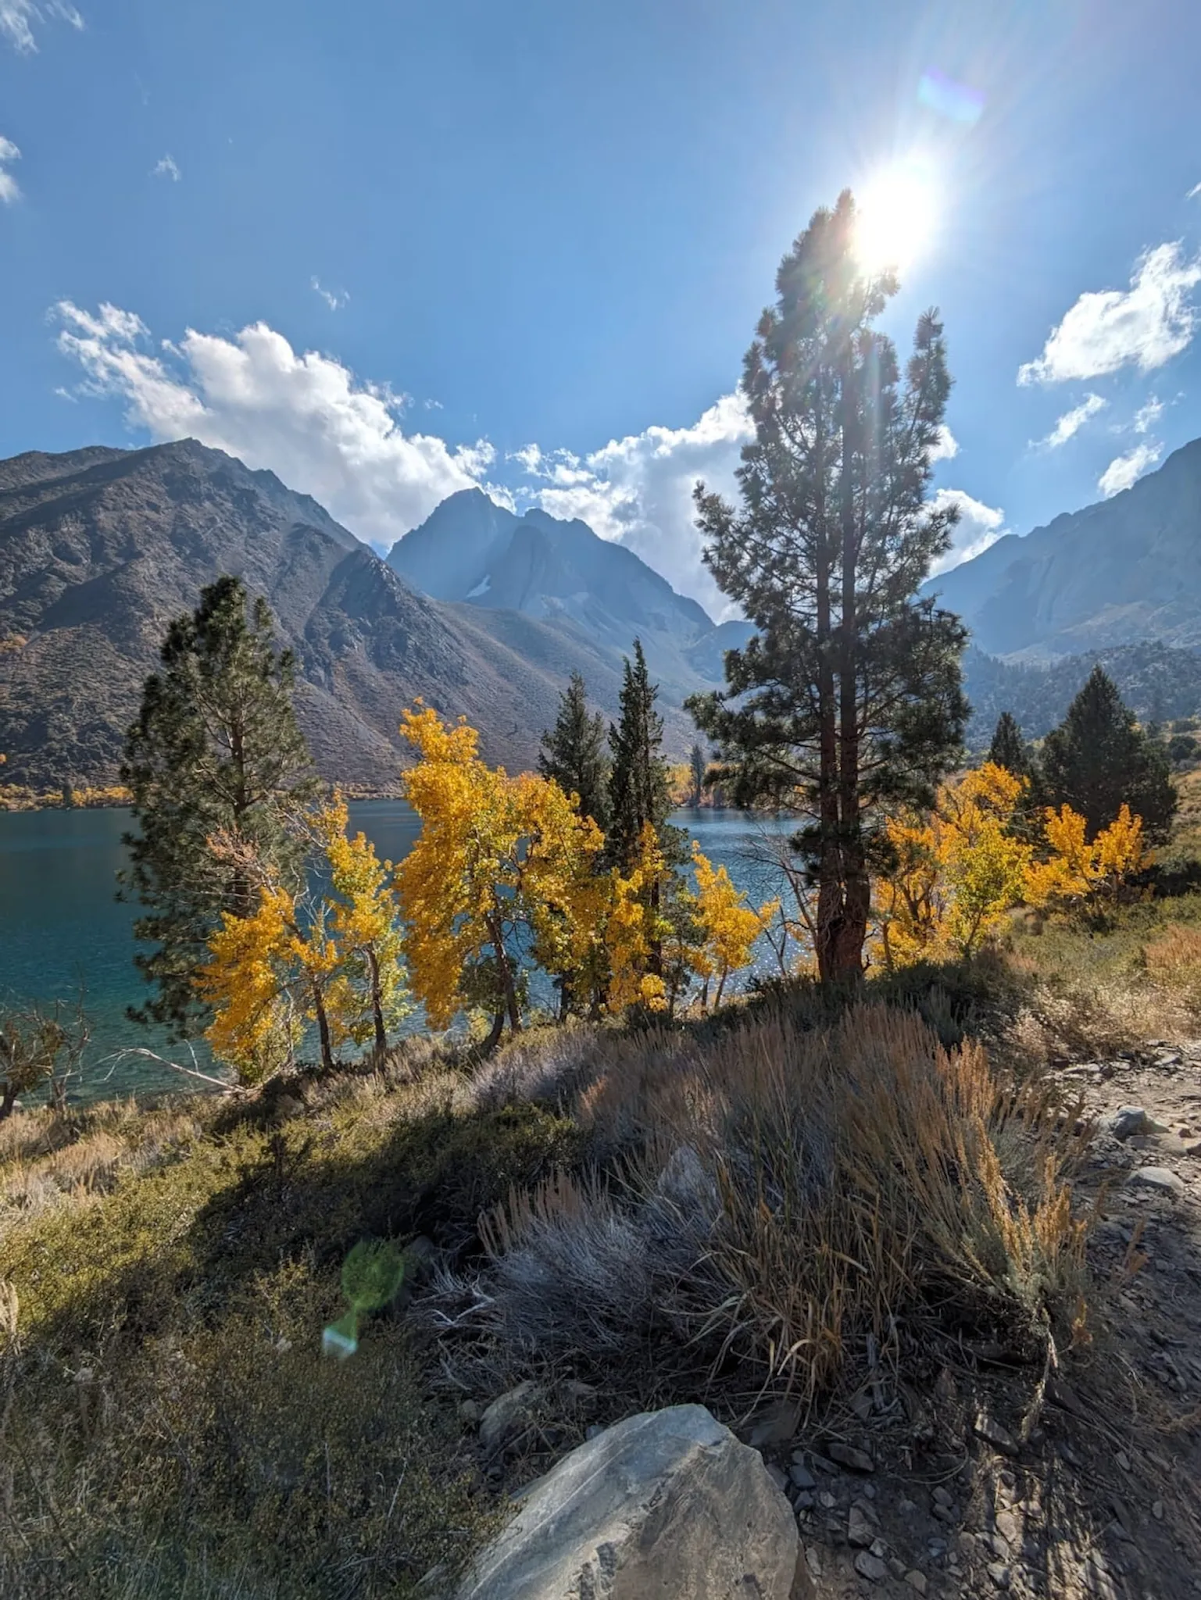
(638, 490)
(1143, 326)
(19, 18)
(1124, 470)
(1148, 415)
(978, 527)
(306, 417)
(8, 184)
(946, 446)
(1070, 424)
(166, 167)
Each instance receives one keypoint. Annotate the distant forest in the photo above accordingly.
(1157, 681)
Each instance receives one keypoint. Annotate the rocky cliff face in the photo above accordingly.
(1117, 573)
(99, 548)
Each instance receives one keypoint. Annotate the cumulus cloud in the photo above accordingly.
(637, 491)
(335, 299)
(978, 527)
(9, 153)
(1070, 424)
(166, 167)
(19, 18)
(1148, 415)
(1143, 326)
(304, 416)
(946, 446)
(1124, 470)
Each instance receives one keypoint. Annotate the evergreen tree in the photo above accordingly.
(573, 753)
(638, 787)
(215, 750)
(1098, 757)
(1008, 749)
(847, 699)
(698, 763)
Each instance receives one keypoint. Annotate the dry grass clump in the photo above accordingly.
(1173, 960)
(787, 1192)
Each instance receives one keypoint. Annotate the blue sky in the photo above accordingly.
(391, 249)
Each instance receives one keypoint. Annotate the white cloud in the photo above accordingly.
(1124, 470)
(978, 527)
(1070, 424)
(305, 417)
(946, 446)
(19, 18)
(166, 167)
(1148, 415)
(637, 491)
(1143, 326)
(9, 190)
(1193, 192)
(335, 299)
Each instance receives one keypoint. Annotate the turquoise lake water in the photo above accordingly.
(62, 928)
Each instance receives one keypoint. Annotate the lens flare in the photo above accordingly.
(897, 211)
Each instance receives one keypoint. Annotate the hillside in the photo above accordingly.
(1116, 573)
(475, 552)
(99, 548)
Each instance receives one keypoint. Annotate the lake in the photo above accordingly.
(62, 930)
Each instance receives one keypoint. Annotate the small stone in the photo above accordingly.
(1126, 1122)
(1008, 1527)
(826, 1500)
(861, 1405)
(896, 1567)
(859, 1530)
(871, 1567)
(916, 1580)
(879, 1548)
(1157, 1510)
(1123, 1460)
(1000, 1574)
(470, 1411)
(943, 1496)
(510, 1415)
(804, 1500)
(943, 1513)
(1159, 1179)
(906, 1508)
(848, 1456)
(776, 1475)
(801, 1476)
(991, 1431)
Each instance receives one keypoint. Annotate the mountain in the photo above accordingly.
(1117, 573)
(1158, 682)
(100, 548)
(479, 554)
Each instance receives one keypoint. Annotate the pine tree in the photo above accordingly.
(1008, 748)
(215, 750)
(573, 753)
(1099, 758)
(638, 788)
(698, 763)
(848, 697)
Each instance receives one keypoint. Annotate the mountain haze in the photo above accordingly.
(100, 548)
(1121, 572)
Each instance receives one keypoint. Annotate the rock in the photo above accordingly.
(1126, 1122)
(470, 1411)
(801, 1476)
(1000, 1574)
(870, 1566)
(667, 1503)
(847, 1455)
(859, 1530)
(1008, 1527)
(917, 1580)
(991, 1431)
(943, 1497)
(510, 1415)
(1159, 1179)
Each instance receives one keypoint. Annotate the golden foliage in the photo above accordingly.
(728, 926)
(1075, 869)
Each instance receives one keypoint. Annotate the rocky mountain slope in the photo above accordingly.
(1116, 573)
(473, 551)
(99, 548)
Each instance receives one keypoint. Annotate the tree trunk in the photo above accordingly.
(493, 1039)
(505, 967)
(327, 1049)
(847, 952)
(377, 1008)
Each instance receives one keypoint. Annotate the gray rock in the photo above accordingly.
(993, 1433)
(859, 1530)
(870, 1566)
(801, 1476)
(510, 1415)
(668, 1504)
(1127, 1121)
(916, 1579)
(847, 1455)
(1159, 1179)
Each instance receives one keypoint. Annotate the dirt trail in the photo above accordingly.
(1104, 1498)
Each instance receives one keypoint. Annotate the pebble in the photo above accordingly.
(870, 1566)
(1127, 1121)
(1159, 1179)
(1157, 1510)
(1000, 1574)
(991, 1431)
(942, 1496)
(847, 1455)
(1008, 1527)
(917, 1580)
(801, 1476)
(1123, 1460)
(859, 1529)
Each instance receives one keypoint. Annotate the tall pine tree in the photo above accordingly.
(638, 785)
(847, 700)
(573, 753)
(215, 749)
(698, 766)
(1008, 749)
(1099, 758)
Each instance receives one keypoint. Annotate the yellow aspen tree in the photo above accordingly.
(567, 896)
(364, 923)
(729, 927)
(1075, 869)
(635, 930)
(255, 1027)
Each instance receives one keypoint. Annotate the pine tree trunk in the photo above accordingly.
(856, 883)
(829, 870)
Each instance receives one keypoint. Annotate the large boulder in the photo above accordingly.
(666, 1504)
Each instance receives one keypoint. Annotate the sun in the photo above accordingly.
(897, 212)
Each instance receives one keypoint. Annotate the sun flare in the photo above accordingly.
(897, 211)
